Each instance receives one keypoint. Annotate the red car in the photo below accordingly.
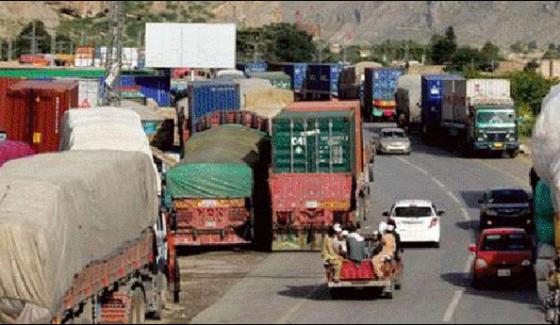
(502, 253)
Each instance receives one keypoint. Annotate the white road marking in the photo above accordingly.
(452, 307)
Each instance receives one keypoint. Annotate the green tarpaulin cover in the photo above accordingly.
(544, 213)
(217, 165)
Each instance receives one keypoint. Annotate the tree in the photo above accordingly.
(532, 66)
(443, 47)
(529, 88)
(517, 47)
(23, 41)
(551, 54)
(532, 45)
(467, 56)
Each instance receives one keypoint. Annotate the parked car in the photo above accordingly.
(418, 221)
(394, 140)
(502, 253)
(506, 208)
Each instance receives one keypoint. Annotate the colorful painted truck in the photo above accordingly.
(320, 172)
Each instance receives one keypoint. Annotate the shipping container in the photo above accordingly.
(296, 71)
(154, 87)
(318, 172)
(278, 79)
(321, 81)
(408, 98)
(380, 86)
(5, 84)
(88, 93)
(209, 96)
(313, 142)
(348, 84)
(30, 58)
(252, 67)
(35, 110)
(432, 98)
(33, 73)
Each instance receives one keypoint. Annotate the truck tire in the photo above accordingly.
(138, 306)
(513, 153)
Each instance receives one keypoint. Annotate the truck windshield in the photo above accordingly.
(496, 117)
(506, 242)
(414, 212)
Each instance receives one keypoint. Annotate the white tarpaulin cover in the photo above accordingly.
(105, 128)
(546, 142)
(59, 212)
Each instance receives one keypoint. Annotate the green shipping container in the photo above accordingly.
(277, 79)
(313, 142)
(35, 73)
(218, 164)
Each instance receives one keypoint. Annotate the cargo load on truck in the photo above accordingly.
(278, 79)
(218, 187)
(546, 162)
(297, 72)
(319, 172)
(432, 99)
(479, 115)
(380, 86)
(408, 97)
(54, 222)
(321, 81)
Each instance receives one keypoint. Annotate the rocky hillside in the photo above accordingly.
(503, 22)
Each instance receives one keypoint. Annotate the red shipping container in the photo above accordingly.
(35, 112)
(5, 84)
(30, 58)
(298, 194)
(336, 105)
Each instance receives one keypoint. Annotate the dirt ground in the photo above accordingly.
(205, 278)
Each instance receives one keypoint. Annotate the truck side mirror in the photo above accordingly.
(472, 249)
(386, 214)
(440, 213)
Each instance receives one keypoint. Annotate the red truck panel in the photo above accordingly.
(246, 118)
(5, 84)
(36, 111)
(352, 272)
(337, 105)
(13, 149)
(221, 222)
(312, 199)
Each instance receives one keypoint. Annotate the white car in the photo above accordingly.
(417, 221)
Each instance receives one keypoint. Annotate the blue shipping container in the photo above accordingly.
(154, 87)
(296, 71)
(210, 96)
(323, 78)
(251, 67)
(379, 84)
(432, 96)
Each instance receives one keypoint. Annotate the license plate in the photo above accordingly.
(504, 273)
(210, 224)
(499, 145)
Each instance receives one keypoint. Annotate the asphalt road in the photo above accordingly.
(289, 287)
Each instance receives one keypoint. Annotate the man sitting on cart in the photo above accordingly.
(331, 258)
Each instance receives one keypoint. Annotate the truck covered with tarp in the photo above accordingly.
(217, 195)
(75, 227)
(10, 150)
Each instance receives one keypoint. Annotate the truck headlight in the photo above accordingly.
(526, 263)
(481, 264)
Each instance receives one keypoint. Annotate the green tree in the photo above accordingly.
(551, 54)
(517, 47)
(532, 66)
(532, 45)
(467, 56)
(23, 42)
(443, 47)
(529, 88)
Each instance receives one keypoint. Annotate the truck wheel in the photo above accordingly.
(370, 172)
(138, 307)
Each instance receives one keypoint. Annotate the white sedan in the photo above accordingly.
(417, 221)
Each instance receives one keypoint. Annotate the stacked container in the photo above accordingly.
(35, 111)
(432, 99)
(252, 67)
(296, 71)
(379, 91)
(322, 80)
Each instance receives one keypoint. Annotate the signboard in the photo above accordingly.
(172, 45)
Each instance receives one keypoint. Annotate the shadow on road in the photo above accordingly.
(469, 225)
(471, 198)
(322, 293)
(515, 290)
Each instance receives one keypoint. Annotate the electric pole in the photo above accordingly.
(113, 60)
(33, 38)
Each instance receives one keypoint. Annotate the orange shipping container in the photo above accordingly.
(35, 110)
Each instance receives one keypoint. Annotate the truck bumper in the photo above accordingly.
(496, 146)
(360, 284)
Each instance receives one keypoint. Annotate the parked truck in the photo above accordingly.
(217, 195)
(407, 98)
(478, 115)
(379, 94)
(321, 81)
(320, 172)
(71, 251)
(297, 72)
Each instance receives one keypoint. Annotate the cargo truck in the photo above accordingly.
(380, 86)
(297, 72)
(217, 195)
(320, 172)
(88, 258)
(479, 115)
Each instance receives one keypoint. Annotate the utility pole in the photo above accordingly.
(113, 60)
(33, 38)
(10, 50)
(53, 44)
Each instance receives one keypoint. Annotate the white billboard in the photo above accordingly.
(171, 45)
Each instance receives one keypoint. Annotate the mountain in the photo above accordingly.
(502, 22)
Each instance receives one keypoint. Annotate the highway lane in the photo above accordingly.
(289, 287)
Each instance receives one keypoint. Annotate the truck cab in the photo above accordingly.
(495, 129)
